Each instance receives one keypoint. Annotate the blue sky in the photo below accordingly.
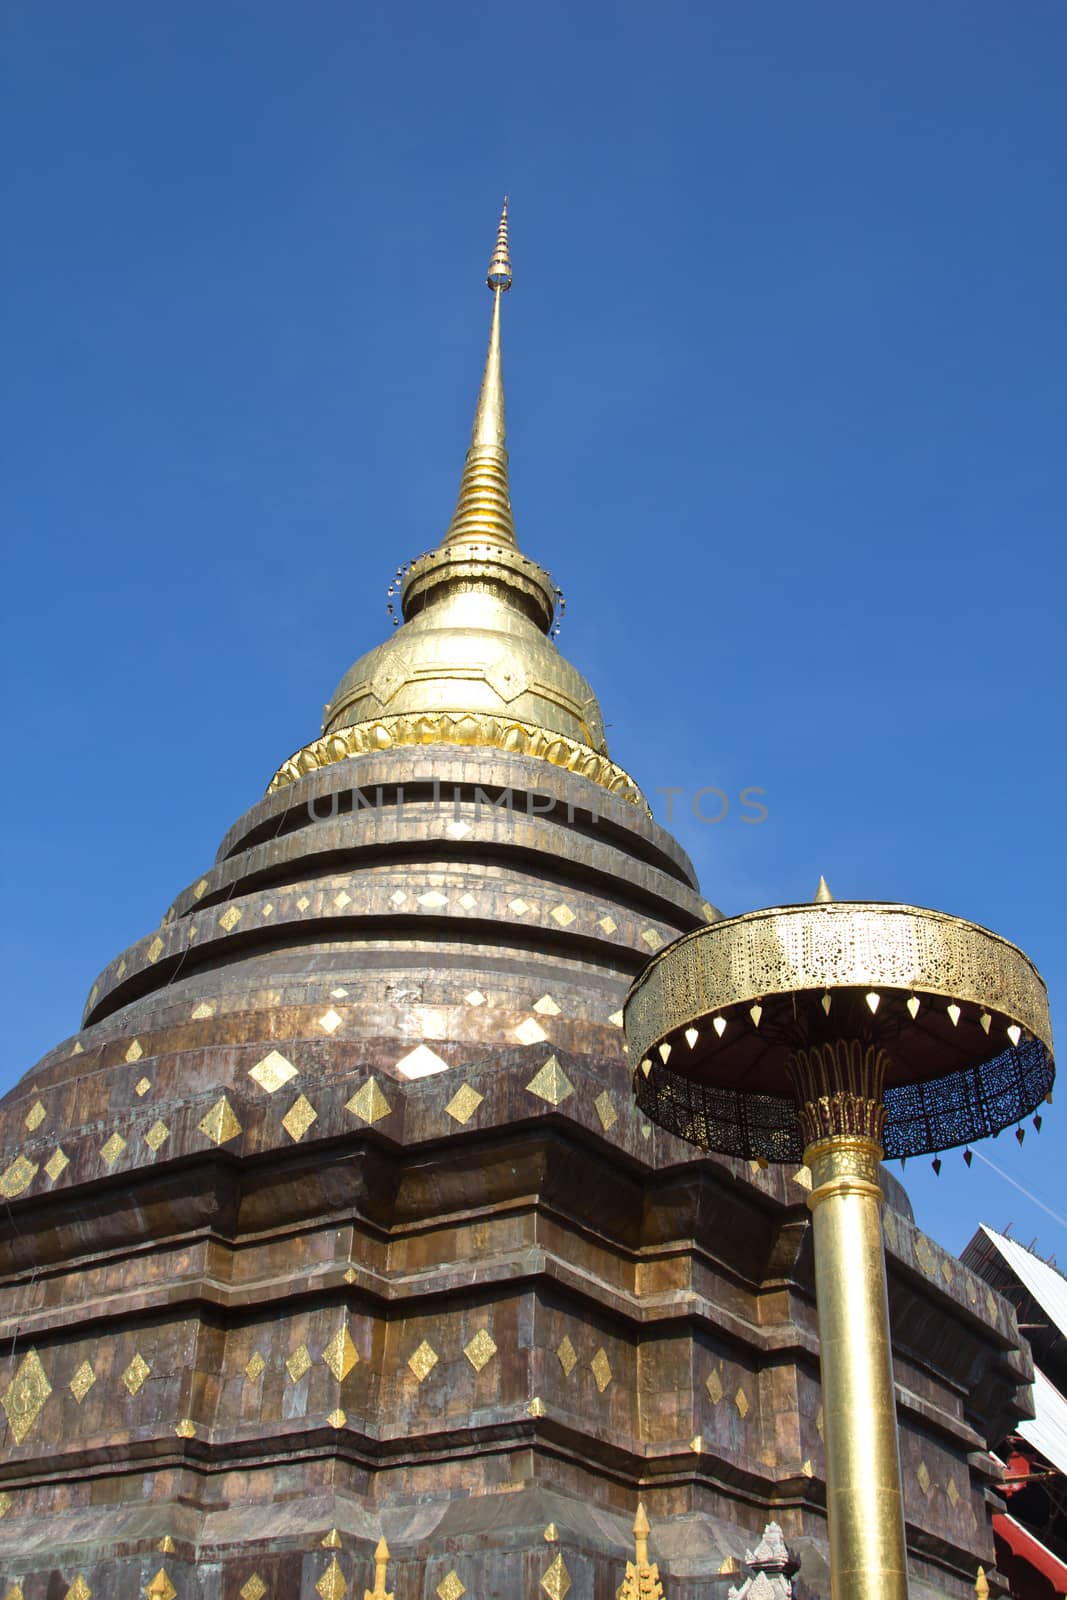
(785, 361)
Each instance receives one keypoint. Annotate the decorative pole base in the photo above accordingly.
(839, 1086)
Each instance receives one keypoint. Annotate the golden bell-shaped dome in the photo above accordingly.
(470, 651)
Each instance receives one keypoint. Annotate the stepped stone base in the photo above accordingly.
(339, 1214)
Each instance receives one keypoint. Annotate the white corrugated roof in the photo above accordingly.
(1048, 1431)
(1048, 1287)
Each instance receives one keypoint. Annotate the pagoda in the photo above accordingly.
(335, 1249)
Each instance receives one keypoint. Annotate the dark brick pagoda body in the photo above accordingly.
(260, 1282)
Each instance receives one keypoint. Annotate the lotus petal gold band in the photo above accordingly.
(459, 728)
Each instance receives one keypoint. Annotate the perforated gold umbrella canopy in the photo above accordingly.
(961, 1014)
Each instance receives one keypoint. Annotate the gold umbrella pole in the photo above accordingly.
(839, 1089)
(769, 1035)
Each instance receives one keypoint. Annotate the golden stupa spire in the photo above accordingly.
(483, 509)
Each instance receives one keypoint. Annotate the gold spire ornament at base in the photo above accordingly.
(642, 1576)
(381, 1562)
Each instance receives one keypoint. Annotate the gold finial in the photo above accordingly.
(499, 274)
(641, 1533)
(483, 509)
(381, 1561)
(642, 1576)
(981, 1585)
(823, 897)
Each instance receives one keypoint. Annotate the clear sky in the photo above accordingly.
(785, 362)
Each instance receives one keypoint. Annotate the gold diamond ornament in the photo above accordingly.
(463, 1104)
(332, 1585)
(604, 1106)
(422, 1062)
(480, 1350)
(25, 1395)
(557, 1580)
(220, 1125)
(423, 1361)
(298, 1119)
(57, 1163)
(451, 1587)
(273, 1071)
(298, 1363)
(341, 1355)
(254, 1366)
(82, 1381)
(551, 1084)
(601, 1369)
(253, 1589)
(136, 1373)
(369, 1103)
(35, 1116)
(111, 1151)
(566, 1355)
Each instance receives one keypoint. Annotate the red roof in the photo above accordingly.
(1031, 1550)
